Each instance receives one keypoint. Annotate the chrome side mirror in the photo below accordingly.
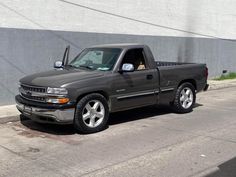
(58, 64)
(127, 67)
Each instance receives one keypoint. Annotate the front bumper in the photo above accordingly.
(46, 115)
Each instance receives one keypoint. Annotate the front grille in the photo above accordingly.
(34, 88)
(30, 93)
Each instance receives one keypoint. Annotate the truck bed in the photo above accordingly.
(172, 73)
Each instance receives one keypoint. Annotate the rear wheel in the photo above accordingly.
(91, 114)
(185, 98)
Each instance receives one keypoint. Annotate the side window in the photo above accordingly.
(135, 57)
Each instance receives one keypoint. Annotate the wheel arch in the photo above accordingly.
(191, 81)
(101, 92)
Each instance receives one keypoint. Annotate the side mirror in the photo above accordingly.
(127, 67)
(58, 64)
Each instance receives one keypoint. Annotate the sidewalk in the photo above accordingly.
(9, 113)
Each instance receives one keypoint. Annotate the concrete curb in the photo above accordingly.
(10, 119)
(215, 85)
(10, 113)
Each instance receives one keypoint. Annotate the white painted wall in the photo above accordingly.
(54, 24)
(214, 18)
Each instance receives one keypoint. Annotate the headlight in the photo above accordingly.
(60, 91)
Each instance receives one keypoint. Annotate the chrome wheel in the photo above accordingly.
(93, 113)
(186, 98)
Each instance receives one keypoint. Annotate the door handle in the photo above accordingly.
(149, 76)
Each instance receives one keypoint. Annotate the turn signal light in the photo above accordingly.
(63, 100)
(58, 100)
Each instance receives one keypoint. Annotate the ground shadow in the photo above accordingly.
(197, 105)
(115, 118)
(226, 169)
(47, 128)
(137, 114)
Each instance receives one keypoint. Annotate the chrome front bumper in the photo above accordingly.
(56, 116)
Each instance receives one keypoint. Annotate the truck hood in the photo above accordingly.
(59, 77)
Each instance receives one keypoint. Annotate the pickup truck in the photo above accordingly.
(104, 79)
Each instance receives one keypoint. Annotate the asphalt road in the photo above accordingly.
(143, 142)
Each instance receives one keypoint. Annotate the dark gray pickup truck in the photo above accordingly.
(104, 79)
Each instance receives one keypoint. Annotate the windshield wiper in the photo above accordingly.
(86, 66)
(72, 66)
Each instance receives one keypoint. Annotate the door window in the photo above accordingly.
(135, 57)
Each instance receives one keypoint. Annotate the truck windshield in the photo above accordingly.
(102, 59)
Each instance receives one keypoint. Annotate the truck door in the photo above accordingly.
(137, 88)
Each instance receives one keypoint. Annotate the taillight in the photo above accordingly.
(206, 72)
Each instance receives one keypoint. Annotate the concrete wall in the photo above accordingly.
(33, 34)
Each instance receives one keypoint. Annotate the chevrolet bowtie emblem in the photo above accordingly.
(28, 93)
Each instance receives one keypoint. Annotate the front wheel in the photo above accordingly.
(91, 114)
(185, 98)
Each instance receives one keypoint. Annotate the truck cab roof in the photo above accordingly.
(120, 45)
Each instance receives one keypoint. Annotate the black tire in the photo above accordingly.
(79, 124)
(177, 105)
